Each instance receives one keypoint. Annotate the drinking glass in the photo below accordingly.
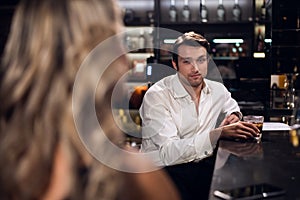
(258, 121)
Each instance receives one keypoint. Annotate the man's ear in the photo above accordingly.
(174, 65)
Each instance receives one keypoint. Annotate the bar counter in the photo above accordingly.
(276, 160)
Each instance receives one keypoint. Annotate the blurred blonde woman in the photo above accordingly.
(41, 154)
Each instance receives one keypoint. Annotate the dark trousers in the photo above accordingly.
(193, 179)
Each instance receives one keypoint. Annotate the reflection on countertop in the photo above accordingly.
(275, 160)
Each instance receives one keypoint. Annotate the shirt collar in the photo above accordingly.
(206, 89)
(178, 89)
(180, 92)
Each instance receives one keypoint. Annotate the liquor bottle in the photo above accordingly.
(149, 41)
(289, 96)
(274, 94)
(141, 41)
(221, 11)
(173, 12)
(259, 41)
(263, 11)
(186, 12)
(203, 11)
(237, 11)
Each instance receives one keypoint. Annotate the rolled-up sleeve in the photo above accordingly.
(230, 105)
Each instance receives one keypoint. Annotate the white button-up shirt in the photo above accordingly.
(173, 131)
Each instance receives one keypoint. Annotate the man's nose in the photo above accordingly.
(195, 65)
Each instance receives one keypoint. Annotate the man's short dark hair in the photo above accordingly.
(189, 39)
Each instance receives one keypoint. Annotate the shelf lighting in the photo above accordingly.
(259, 55)
(169, 41)
(268, 40)
(220, 41)
(226, 41)
(149, 70)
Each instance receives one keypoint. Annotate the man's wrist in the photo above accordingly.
(238, 114)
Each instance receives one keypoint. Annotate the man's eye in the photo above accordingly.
(186, 61)
(201, 60)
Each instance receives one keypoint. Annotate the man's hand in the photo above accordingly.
(230, 120)
(239, 130)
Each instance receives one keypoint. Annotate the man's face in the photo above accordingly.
(192, 64)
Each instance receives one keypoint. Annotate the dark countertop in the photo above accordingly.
(275, 160)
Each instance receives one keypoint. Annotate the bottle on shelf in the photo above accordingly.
(150, 17)
(263, 11)
(203, 12)
(259, 41)
(129, 16)
(274, 94)
(128, 42)
(186, 12)
(221, 11)
(237, 11)
(141, 41)
(149, 41)
(289, 96)
(173, 12)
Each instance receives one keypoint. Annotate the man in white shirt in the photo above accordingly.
(180, 112)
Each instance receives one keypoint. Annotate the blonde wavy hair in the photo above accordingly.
(47, 43)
